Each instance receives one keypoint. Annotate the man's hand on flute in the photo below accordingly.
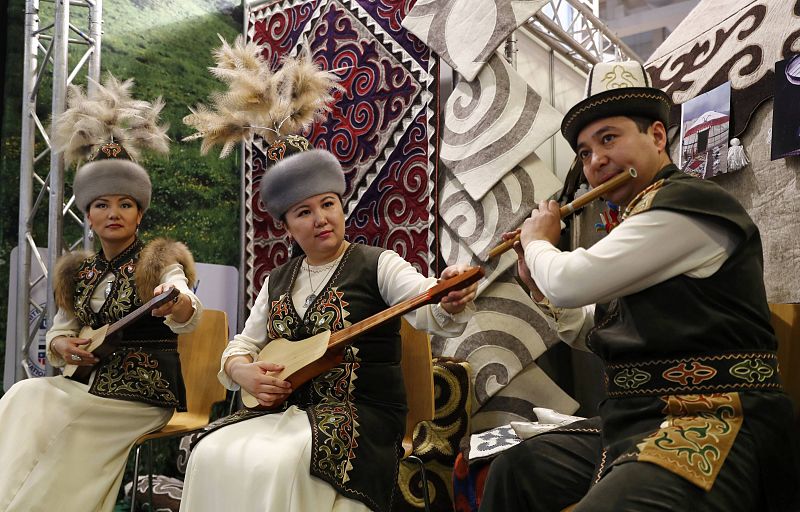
(543, 224)
(523, 272)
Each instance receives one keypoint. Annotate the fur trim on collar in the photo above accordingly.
(157, 255)
(64, 283)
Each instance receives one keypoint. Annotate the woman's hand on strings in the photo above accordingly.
(72, 351)
(259, 379)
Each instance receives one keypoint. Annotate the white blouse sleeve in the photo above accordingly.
(644, 250)
(174, 275)
(571, 324)
(64, 324)
(398, 280)
(252, 339)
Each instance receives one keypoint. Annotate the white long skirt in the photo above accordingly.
(64, 449)
(259, 465)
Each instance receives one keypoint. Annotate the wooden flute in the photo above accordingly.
(575, 205)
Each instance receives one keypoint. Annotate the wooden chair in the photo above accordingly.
(786, 322)
(417, 366)
(200, 355)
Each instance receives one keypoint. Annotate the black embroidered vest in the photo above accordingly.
(683, 316)
(146, 367)
(347, 298)
(357, 409)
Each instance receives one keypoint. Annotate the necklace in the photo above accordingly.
(313, 295)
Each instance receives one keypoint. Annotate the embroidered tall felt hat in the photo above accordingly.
(616, 89)
(298, 171)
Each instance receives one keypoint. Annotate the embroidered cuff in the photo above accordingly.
(546, 307)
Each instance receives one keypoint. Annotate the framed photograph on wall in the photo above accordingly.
(786, 109)
(705, 124)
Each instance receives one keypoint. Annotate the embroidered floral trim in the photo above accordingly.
(134, 374)
(337, 428)
(713, 373)
(122, 297)
(643, 200)
(696, 436)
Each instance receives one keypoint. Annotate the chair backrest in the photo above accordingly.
(786, 322)
(418, 376)
(200, 355)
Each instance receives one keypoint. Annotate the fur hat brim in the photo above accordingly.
(298, 177)
(647, 102)
(111, 177)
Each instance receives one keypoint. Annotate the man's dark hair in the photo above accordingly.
(643, 123)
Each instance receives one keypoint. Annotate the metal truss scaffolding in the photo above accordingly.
(571, 29)
(62, 38)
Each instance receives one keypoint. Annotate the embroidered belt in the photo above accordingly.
(719, 373)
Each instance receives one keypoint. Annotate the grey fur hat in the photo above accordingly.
(111, 176)
(300, 176)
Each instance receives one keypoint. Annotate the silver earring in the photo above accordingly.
(90, 235)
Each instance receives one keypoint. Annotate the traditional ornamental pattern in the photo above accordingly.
(631, 378)
(643, 201)
(618, 77)
(696, 436)
(723, 42)
(122, 297)
(695, 373)
(730, 371)
(336, 429)
(382, 128)
(753, 370)
(134, 374)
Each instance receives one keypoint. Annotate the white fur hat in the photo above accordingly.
(300, 176)
(111, 176)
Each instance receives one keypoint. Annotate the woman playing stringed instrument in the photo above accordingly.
(334, 445)
(64, 443)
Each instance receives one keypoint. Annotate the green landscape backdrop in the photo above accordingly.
(166, 47)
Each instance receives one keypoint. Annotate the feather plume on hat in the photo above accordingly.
(108, 114)
(259, 101)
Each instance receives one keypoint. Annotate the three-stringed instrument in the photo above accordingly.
(574, 206)
(305, 359)
(104, 339)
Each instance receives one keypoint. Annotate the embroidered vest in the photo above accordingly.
(146, 367)
(357, 409)
(346, 299)
(685, 316)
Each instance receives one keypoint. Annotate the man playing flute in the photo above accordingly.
(673, 302)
